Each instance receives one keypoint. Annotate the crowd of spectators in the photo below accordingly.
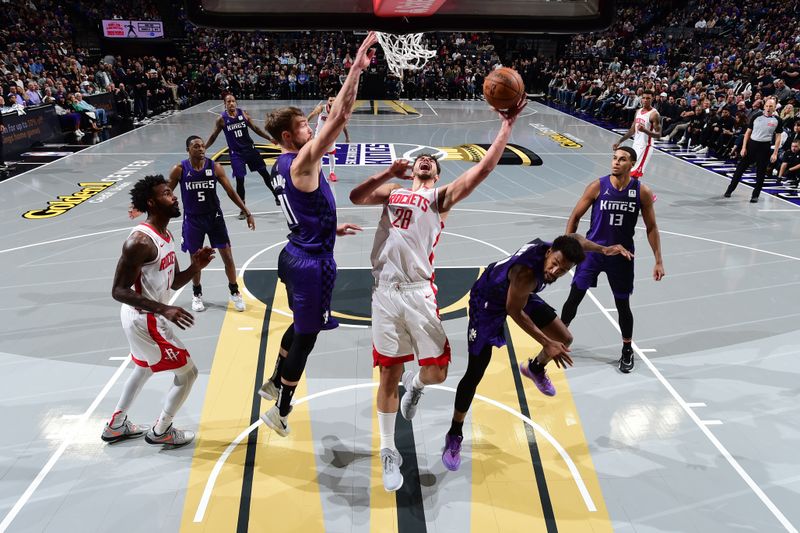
(710, 64)
(716, 64)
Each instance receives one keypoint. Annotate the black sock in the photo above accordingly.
(535, 366)
(197, 290)
(455, 429)
(233, 287)
(276, 374)
(626, 346)
(285, 399)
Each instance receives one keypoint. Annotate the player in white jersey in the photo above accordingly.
(147, 273)
(405, 315)
(323, 110)
(646, 127)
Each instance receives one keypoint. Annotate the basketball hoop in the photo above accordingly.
(404, 52)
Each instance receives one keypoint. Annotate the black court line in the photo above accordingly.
(410, 510)
(266, 293)
(536, 459)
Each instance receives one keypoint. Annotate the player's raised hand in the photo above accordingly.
(348, 229)
(178, 316)
(617, 249)
(364, 56)
(511, 114)
(202, 257)
(399, 169)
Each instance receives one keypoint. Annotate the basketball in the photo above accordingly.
(503, 88)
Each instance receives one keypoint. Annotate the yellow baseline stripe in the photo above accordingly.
(285, 474)
(505, 496)
(226, 412)
(375, 106)
(359, 103)
(559, 416)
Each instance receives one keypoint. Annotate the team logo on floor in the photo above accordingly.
(563, 139)
(382, 154)
(62, 204)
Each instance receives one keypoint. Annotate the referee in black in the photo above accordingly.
(758, 138)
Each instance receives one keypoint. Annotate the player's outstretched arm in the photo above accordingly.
(589, 195)
(628, 135)
(653, 237)
(253, 126)
(217, 130)
(451, 194)
(316, 111)
(591, 246)
(306, 164)
(223, 180)
(522, 282)
(374, 190)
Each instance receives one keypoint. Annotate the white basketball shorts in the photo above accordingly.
(406, 323)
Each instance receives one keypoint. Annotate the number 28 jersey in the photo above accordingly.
(614, 214)
(407, 234)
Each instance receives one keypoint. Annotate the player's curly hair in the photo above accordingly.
(280, 120)
(142, 191)
(570, 248)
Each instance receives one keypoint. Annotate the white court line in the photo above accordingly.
(778, 210)
(703, 427)
(63, 239)
(82, 418)
(212, 478)
(712, 422)
(695, 404)
(246, 328)
(125, 358)
(648, 350)
(432, 109)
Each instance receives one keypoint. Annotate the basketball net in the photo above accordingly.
(404, 52)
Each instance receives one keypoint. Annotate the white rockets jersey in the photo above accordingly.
(643, 117)
(407, 233)
(155, 280)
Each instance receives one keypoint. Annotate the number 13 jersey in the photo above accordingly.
(614, 214)
(407, 234)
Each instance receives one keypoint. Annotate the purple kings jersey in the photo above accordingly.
(614, 214)
(492, 286)
(199, 188)
(311, 215)
(237, 133)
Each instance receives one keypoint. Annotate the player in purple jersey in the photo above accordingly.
(508, 288)
(616, 201)
(234, 123)
(306, 264)
(198, 177)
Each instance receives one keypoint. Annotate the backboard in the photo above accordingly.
(514, 16)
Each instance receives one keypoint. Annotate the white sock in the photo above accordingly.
(117, 419)
(386, 429)
(164, 422)
(417, 383)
